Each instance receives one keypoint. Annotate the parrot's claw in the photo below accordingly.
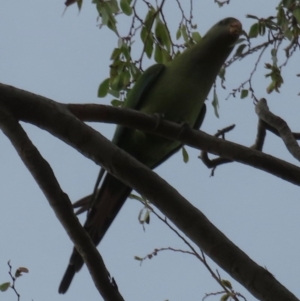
(184, 126)
(159, 117)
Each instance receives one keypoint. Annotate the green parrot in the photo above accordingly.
(177, 91)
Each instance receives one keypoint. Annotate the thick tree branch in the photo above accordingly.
(60, 203)
(193, 138)
(56, 119)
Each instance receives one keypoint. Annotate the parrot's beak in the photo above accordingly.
(235, 28)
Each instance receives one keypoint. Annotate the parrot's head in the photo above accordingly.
(225, 32)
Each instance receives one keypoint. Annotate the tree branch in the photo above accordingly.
(193, 138)
(280, 125)
(60, 203)
(56, 119)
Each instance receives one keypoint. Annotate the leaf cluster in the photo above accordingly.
(279, 32)
(155, 37)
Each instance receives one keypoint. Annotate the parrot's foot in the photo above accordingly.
(184, 127)
(159, 117)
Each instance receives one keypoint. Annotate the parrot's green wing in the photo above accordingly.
(176, 91)
(143, 86)
(138, 93)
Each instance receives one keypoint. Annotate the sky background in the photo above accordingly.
(65, 58)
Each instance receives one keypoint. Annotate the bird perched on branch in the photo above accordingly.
(176, 90)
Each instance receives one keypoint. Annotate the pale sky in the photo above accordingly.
(65, 58)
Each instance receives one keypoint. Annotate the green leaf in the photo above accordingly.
(184, 33)
(261, 28)
(225, 297)
(124, 79)
(166, 57)
(158, 54)
(162, 35)
(104, 15)
(115, 54)
(135, 72)
(114, 93)
(116, 83)
(274, 56)
(117, 103)
(296, 14)
(289, 34)
(271, 24)
(4, 286)
(113, 71)
(253, 32)
(196, 36)
(113, 6)
(125, 49)
(276, 78)
(215, 103)
(226, 283)
(112, 25)
(126, 8)
(281, 18)
(244, 93)
(148, 23)
(121, 81)
(106, 10)
(178, 34)
(149, 46)
(103, 88)
(222, 73)
(138, 258)
(137, 197)
(287, 3)
(161, 55)
(240, 50)
(268, 66)
(252, 17)
(185, 155)
(146, 217)
(146, 33)
(271, 87)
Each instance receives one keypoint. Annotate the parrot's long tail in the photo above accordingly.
(101, 213)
